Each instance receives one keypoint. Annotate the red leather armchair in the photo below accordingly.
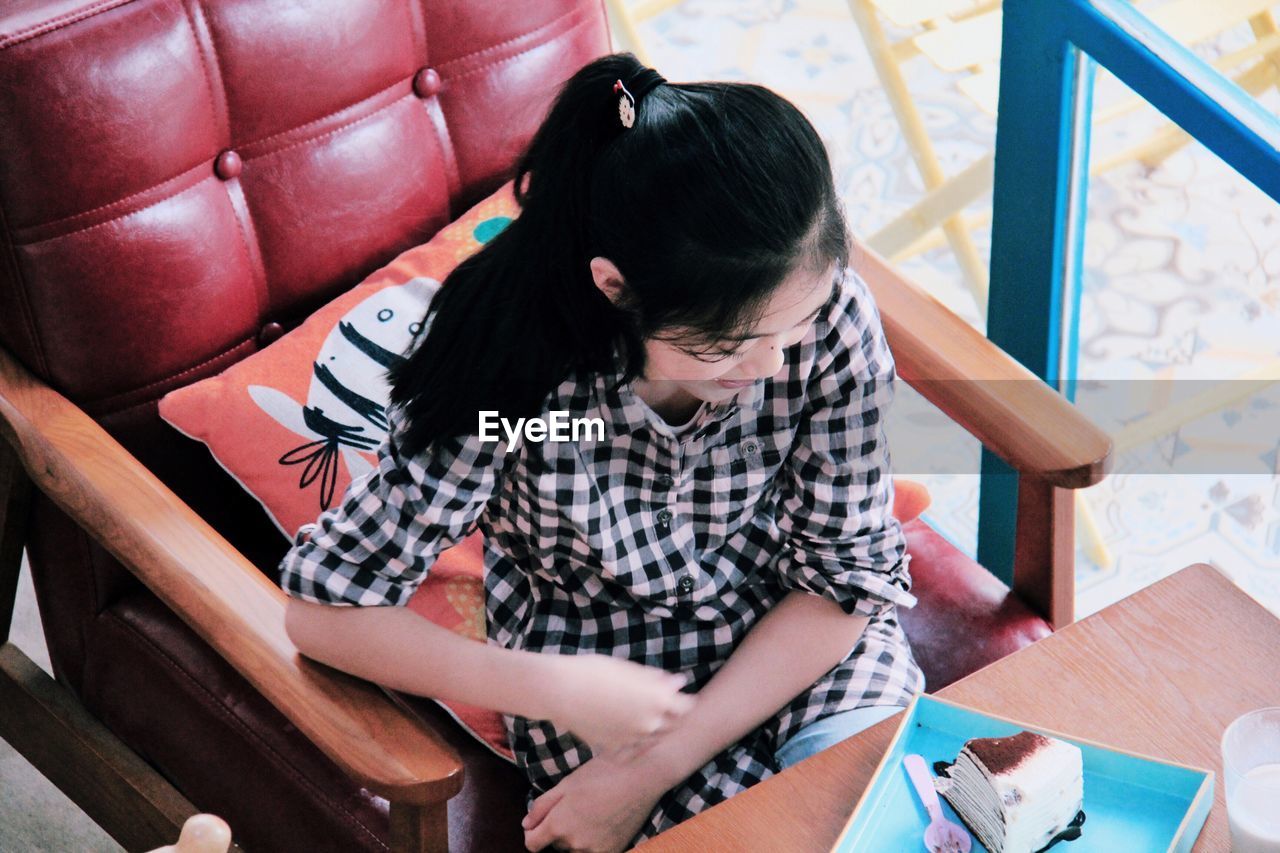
(182, 181)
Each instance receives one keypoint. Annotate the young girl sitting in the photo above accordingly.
(704, 593)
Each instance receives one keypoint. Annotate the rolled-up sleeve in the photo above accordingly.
(836, 491)
(376, 546)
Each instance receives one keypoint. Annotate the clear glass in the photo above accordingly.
(1251, 770)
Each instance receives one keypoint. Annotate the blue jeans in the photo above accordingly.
(831, 730)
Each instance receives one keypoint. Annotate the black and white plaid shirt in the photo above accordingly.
(657, 548)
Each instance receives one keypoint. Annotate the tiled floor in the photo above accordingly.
(1182, 283)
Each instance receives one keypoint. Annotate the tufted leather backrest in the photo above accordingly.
(160, 158)
(183, 180)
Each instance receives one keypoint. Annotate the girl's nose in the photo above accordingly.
(767, 360)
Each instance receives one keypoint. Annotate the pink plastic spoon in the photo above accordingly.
(942, 835)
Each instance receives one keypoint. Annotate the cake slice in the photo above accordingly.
(1017, 794)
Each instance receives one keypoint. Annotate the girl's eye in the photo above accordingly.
(713, 354)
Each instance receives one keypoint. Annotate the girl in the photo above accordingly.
(706, 592)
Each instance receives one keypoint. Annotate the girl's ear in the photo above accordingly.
(607, 277)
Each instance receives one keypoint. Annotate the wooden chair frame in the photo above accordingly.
(51, 444)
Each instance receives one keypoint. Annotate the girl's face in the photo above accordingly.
(675, 360)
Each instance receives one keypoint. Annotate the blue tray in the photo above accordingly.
(1132, 803)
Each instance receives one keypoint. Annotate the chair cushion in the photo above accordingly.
(965, 617)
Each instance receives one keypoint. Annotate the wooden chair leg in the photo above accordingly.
(419, 829)
(895, 86)
(936, 207)
(49, 727)
(1044, 550)
(1264, 25)
(15, 504)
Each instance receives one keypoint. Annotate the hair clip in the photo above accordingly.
(626, 104)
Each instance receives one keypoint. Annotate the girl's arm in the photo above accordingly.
(377, 545)
(400, 649)
(791, 647)
(606, 701)
(603, 803)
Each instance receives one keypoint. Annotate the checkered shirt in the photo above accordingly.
(659, 548)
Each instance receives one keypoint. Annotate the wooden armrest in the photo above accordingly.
(981, 387)
(219, 593)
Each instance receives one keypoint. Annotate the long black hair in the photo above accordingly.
(716, 194)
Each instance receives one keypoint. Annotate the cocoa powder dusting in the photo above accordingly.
(1000, 754)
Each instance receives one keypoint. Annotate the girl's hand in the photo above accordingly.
(598, 808)
(615, 705)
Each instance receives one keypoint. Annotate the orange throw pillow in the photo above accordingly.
(296, 422)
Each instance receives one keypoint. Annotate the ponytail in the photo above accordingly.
(705, 205)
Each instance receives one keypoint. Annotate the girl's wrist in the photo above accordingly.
(539, 680)
(665, 764)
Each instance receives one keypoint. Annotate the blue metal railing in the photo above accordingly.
(1041, 178)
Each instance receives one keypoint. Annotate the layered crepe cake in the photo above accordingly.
(1017, 794)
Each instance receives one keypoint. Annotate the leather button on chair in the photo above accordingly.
(228, 165)
(426, 83)
(269, 333)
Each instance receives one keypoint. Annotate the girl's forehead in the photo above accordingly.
(794, 303)
(804, 293)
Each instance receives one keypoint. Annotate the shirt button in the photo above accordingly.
(685, 584)
(664, 517)
(750, 448)
(665, 481)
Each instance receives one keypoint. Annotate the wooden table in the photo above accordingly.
(1160, 673)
